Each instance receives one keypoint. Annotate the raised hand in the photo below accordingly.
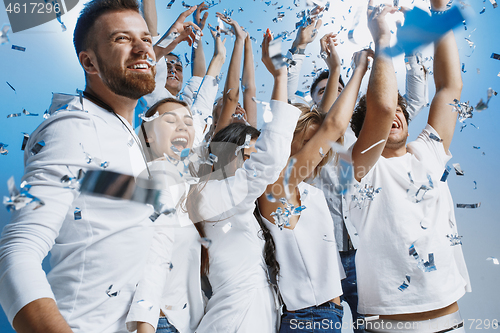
(377, 24)
(187, 30)
(219, 48)
(307, 34)
(329, 52)
(266, 59)
(360, 59)
(197, 18)
(238, 31)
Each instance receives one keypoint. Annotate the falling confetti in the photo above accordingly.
(425, 266)
(372, 146)
(38, 146)
(226, 227)
(275, 53)
(435, 137)
(205, 242)
(246, 144)
(4, 37)
(495, 56)
(445, 173)
(26, 136)
(77, 213)
(458, 170)
(20, 198)
(475, 205)
(415, 194)
(286, 177)
(3, 151)
(170, 4)
(148, 119)
(455, 239)
(405, 284)
(282, 214)
(112, 293)
(27, 113)
(14, 115)
(495, 260)
(364, 194)
(464, 110)
(18, 48)
(10, 85)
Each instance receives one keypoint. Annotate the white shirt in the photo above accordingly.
(96, 260)
(390, 224)
(242, 299)
(310, 266)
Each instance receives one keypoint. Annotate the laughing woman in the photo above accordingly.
(310, 268)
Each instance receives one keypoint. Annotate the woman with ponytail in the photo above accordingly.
(299, 220)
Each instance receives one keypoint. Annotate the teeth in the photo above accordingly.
(180, 140)
(395, 124)
(140, 66)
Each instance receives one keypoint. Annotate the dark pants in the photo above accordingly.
(323, 318)
(350, 289)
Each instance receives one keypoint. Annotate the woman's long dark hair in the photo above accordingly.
(223, 145)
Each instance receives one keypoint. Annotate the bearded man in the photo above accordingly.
(98, 244)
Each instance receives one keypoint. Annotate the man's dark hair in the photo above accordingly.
(358, 116)
(89, 15)
(323, 75)
(174, 55)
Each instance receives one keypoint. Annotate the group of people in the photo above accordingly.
(252, 230)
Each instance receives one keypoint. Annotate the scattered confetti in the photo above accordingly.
(282, 214)
(275, 53)
(77, 213)
(373, 145)
(246, 144)
(3, 151)
(25, 140)
(475, 205)
(170, 4)
(38, 146)
(455, 239)
(148, 119)
(27, 113)
(4, 37)
(458, 170)
(475, 185)
(425, 266)
(10, 85)
(445, 173)
(164, 210)
(405, 284)
(435, 137)
(20, 198)
(363, 194)
(495, 56)
(18, 48)
(464, 110)
(495, 260)
(494, 3)
(415, 194)
(112, 293)
(14, 115)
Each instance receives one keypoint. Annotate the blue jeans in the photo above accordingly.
(326, 317)
(350, 289)
(165, 327)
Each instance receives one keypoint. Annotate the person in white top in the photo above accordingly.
(410, 270)
(224, 202)
(98, 245)
(171, 281)
(310, 267)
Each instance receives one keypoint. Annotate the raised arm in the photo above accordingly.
(248, 82)
(305, 35)
(198, 65)
(448, 81)
(150, 16)
(231, 91)
(332, 59)
(279, 89)
(332, 128)
(186, 31)
(381, 96)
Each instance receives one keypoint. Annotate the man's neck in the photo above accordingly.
(173, 91)
(121, 105)
(394, 152)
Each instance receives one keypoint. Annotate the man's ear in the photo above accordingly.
(88, 61)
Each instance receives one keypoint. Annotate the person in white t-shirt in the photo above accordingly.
(410, 271)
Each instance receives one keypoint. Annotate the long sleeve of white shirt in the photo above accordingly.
(95, 256)
(294, 76)
(416, 85)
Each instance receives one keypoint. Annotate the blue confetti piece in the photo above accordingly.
(18, 48)
(405, 284)
(36, 149)
(11, 86)
(78, 213)
(425, 266)
(421, 29)
(445, 173)
(170, 4)
(286, 177)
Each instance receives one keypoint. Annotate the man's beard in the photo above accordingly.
(126, 83)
